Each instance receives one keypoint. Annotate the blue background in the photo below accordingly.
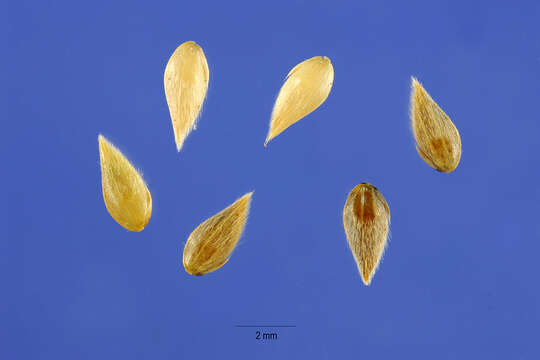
(459, 279)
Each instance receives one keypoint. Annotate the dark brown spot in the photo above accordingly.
(206, 252)
(366, 211)
(441, 145)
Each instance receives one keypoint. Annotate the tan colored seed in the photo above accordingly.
(307, 86)
(211, 244)
(126, 196)
(437, 138)
(366, 218)
(186, 81)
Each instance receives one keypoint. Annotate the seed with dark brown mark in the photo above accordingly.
(366, 218)
(437, 139)
(211, 244)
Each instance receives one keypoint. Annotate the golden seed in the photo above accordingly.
(366, 218)
(437, 138)
(210, 245)
(126, 196)
(186, 81)
(307, 86)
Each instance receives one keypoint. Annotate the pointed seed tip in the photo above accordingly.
(366, 280)
(179, 145)
(247, 197)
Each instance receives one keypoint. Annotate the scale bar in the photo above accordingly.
(265, 326)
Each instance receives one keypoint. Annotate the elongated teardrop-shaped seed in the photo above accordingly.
(307, 86)
(366, 218)
(437, 138)
(186, 81)
(126, 196)
(211, 244)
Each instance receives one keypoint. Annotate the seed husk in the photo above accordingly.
(211, 244)
(306, 87)
(437, 138)
(126, 196)
(186, 82)
(366, 218)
